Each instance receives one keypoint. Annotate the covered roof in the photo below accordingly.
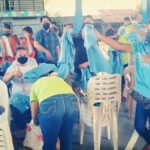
(114, 15)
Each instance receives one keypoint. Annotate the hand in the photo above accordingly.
(26, 34)
(18, 74)
(97, 33)
(48, 55)
(84, 65)
(65, 29)
(146, 59)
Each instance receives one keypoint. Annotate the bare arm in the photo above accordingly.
(29, 44)
(34, 109)
(3, 51)
(142, 33)
(114, 44)
(42, 49)
(146, 59)
(58, 50)
(8, 76)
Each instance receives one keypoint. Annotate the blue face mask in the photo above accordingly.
(46, 26)
(6, 33)
(22, 60)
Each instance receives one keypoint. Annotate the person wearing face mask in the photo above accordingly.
(49, 41)
(19, 100)
(9, 43)
(66, 59)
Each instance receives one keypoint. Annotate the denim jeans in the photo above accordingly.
(141, 117)
(57, 117)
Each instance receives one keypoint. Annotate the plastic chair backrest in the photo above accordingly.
(104, 87)
(4, 100)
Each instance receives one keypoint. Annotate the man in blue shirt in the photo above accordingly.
(48, 40)
(141, 92)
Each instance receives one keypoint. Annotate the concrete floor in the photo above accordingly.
(125, 126)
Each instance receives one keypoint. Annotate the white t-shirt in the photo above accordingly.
(18, 85)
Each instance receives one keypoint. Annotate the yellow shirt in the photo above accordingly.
(49, 86)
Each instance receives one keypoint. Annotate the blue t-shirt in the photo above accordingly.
(116, 61)
(142, 69)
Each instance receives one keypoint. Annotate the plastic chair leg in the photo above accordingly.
(82, 126)
(4, 126)
(108, 132)
(115, 132)
(132, 141)
(96, 128)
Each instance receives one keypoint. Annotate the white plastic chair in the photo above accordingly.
(106, 90)
(5, 135)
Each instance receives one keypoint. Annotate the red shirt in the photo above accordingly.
(24, 43)
(14, 43)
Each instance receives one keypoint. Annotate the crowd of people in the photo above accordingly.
(43, 73)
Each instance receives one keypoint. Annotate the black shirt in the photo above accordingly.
(80, 51)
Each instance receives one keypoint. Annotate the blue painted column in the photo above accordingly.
(146, 11)
(78, 16)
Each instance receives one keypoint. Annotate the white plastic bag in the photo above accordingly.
(33, 137)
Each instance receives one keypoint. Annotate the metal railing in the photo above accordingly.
(21, 5)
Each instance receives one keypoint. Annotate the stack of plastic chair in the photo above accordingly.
(102, 107)
(5, 135)
(130, 81)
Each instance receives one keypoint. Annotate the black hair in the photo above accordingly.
(45, 75)
(28, 29)
(41, 19)
(51, 72)
(20, 47)
(126, 18)
(70, 24)
(7, 26)
(110, 32)
(88, 16)
(53, 22)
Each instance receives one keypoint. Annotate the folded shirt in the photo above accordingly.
(36, 73)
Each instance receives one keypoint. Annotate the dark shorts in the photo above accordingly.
(145, 102)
